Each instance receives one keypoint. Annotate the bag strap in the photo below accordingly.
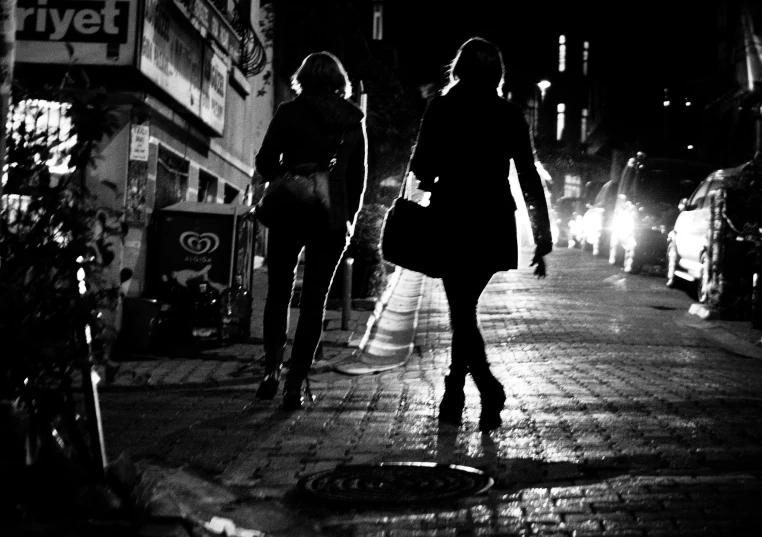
(403, 190)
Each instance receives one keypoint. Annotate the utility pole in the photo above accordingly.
(7, 59)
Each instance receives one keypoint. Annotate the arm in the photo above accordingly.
(532, 189)
(267, 161)
(357, 173)
(424, 160)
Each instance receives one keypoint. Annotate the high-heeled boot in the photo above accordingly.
(492, 397)
(293, 395)
(273, 364)
(453, 400)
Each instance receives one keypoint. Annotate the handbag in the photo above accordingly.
(293, 197)
(411, 237)
(290, 197)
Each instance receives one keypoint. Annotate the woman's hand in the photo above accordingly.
(540, 251)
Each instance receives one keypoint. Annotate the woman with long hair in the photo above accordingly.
(320, 129)
(468, 136)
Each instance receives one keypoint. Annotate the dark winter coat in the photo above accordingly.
(466, 141)
(304, 136)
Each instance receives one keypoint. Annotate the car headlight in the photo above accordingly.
(623, 226)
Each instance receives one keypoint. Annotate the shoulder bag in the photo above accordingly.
(292, 195)
(411, 237)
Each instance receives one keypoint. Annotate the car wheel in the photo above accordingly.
(632, 264)
(702, 291)
(671, 266)
(616, 255)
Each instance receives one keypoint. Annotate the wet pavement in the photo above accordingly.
(626, 416)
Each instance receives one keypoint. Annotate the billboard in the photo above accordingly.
(89, 32)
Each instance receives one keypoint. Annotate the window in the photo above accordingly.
(561, 53)
(378, 21)
(583, 126)
(572, 186)
(696, 201)
(231, 193)
(585, 56)
(207, 187)
(561, 120)
(171, 179)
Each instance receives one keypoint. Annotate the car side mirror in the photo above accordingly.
(683, 204)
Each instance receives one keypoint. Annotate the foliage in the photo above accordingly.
(52, 233)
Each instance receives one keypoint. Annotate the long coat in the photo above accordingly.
(463, 153)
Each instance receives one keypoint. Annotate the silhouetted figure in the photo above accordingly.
(303, 137)
(466, 141)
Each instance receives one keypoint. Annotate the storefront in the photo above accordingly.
(185, 102)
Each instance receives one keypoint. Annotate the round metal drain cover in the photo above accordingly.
(395, 482)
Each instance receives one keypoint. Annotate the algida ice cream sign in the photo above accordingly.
(99, 31)
(195, 246)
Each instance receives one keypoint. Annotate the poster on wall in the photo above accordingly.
(99, 32)
(137, 175)
(174, 56)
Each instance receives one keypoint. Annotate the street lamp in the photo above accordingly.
(543, 85)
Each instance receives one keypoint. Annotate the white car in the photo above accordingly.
(688, 248)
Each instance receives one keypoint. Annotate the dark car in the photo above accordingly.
(646, 208)
(595, 227)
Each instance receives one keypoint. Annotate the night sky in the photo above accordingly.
(654, 39)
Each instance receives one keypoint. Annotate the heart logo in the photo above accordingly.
(199, 243)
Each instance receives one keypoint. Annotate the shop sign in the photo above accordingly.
(172, 56)
(209, 21)
(99, 32)
(213, 91)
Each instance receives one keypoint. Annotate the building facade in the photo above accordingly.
(188, 80)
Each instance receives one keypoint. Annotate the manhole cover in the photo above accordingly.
(395, 482)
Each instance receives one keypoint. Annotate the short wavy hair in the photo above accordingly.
(478, 62)
(320, 72)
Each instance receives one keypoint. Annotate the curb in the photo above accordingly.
(381, 303)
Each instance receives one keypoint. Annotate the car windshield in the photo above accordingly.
(667, 186)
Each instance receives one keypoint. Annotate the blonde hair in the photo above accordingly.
(320, 72)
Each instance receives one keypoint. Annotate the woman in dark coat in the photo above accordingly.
(305, 135)
(466, 141)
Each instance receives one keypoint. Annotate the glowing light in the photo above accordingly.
(666, 103)
(690, 146)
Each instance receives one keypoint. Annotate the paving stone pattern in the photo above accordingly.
(622, 419)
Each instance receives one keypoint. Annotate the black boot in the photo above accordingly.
(453, 400)
(293, 396)
(492, 399)
(273, 365)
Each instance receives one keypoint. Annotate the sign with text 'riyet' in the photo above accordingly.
(100, 32)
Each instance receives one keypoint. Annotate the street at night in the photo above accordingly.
(626, 415)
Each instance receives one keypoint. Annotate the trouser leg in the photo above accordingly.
(322, 256)
(284, 247)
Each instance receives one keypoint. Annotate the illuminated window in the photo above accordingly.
(585, 56)
(583, 126)
(378, 21)
(560, 122)
(572, 186)
(562, 53)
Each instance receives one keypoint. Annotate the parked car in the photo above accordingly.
(690, 240)
(595, 226)
(648, 195)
